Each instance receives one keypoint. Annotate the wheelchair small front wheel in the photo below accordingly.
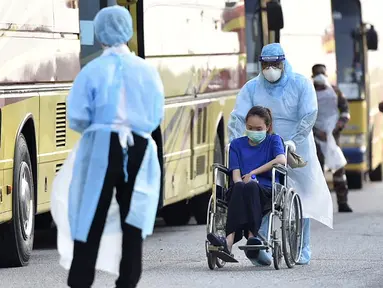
(211, 261)
(277, 255)
(220, 263)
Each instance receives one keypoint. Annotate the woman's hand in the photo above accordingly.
(246, 178)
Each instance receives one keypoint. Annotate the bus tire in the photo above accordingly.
(354, 180)
(376, 175)
(17, 242)
(177, 214)
(199, 203)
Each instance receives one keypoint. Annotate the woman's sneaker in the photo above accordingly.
(252, 254)
(264, 259)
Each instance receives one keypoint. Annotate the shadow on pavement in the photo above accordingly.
(45, 239)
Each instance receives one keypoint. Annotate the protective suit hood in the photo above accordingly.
(275, 89)
(113, 26)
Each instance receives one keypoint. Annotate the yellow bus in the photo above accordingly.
(360, 71)
(39, 59)
(200, 50)
(339, 34)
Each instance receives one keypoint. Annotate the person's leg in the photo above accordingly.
(265, 258)
(306, 250)
(230, 241)
(82, 271)
(254, 200)
(340, 184)
(320, 156)
(341, 189)
(234, 220)
(131, 260)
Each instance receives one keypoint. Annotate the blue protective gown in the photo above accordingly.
(292, 101)
(116, 92)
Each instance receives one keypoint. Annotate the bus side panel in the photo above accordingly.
(3, 216)
(14, 113)
(353, 140)
(177, 152)
(197, 54)
(219, 110)
(56, 140)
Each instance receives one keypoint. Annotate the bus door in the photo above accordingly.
(90, 48)
(199, 171)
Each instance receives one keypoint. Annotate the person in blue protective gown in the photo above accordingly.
(116, 102)
(292, 100)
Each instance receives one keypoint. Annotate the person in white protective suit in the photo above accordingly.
(292, 100)
(116, 102)
(333, 115)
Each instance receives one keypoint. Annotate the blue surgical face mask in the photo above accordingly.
(256, 136)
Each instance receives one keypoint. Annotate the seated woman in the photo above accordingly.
(251, 159)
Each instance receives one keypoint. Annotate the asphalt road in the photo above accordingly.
(351, 255)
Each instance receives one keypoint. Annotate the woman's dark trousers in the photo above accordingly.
(247, 204)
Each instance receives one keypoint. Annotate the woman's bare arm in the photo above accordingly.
(237, 176)
(280, 159)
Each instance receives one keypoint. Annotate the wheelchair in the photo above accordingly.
(285, 242)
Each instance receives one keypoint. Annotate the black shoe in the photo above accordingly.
(218, 242)
(252, 254)
(343, 207)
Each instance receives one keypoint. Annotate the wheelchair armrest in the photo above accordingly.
(221, 168)
(280, 168)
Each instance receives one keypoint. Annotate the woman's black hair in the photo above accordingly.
(264, 113)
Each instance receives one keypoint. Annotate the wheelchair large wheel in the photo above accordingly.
(292, 224)
(212, 260)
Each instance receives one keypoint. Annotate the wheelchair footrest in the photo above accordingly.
(224, 256)
(253, 247)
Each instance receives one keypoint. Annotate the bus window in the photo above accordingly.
(254, 35)
(126, 2)
(349, 47)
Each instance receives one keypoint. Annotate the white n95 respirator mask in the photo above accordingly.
(272, 74)
(320, 79)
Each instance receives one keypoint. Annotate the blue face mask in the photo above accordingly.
(256, 136)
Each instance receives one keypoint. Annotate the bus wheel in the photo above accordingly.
(176, 214)
(17, 243)
(200, 203)
(376, 175)
(354, 180)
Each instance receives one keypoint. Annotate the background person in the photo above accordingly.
(331, 102)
